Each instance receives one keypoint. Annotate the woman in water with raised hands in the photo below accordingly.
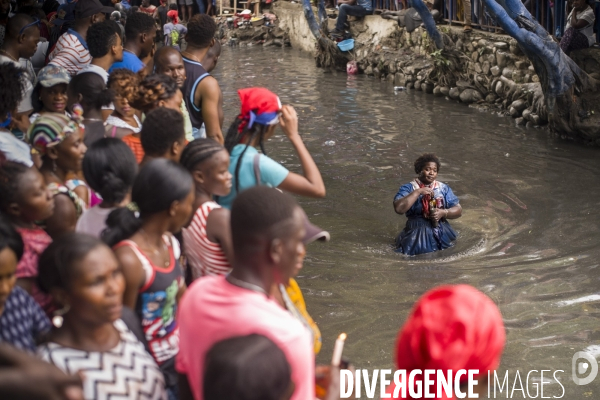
(428, 205)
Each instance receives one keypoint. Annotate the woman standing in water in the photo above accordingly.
(428, 205)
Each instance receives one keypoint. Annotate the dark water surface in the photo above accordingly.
(528, 235)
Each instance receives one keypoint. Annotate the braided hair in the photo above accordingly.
(234, 137)
(198, 151)
(10, 176)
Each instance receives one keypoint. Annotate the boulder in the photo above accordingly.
(499, 89)
(515, 49)
(454, 93)
(482, 43)
(427, 87)
(501, 59)
(445, 90)
(399, 79)
(495, 70)
(486, 67)
(507, 73)
(410, 85)
(535, 78)
(475, 56)
(437, 91)
(501, 45)
(513, 112)
(369, 70)
(526, 114)
(529, 124)
(491, 58)
(418, 84)
(490, 98)
(519, 105)
(518, 76)
(520, 121)
(535, 119)
(470, 96)
(522, 64)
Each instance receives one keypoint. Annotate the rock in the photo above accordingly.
(519, 105)
(427, 87)
(470, 47)
(520, 122)
(495, 70)
(369, 70)
(418, 84)
(482, 43)
(376, 73)
(459, 44)
(527, 78)
(515, 49)
(437, 91)
(486, 67)
(392, 68)
(535, 78)
(531, 68)
(501, 45)
(410, 85)
(470, 96)
(526, 114)
(477, 68)
(454, 93)
(445, 90)
(399, 79)
(529, 124)
(502, 59)
(507, 73)
(499, 89)
(490, 98)
(475, 56)
(518, 76)
(390, 77)
(491, 58)
(513, 112)
(521, 64)
(535, 119)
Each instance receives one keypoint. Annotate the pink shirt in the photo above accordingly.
(212, 310)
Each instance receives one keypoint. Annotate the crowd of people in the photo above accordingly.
(145, 254)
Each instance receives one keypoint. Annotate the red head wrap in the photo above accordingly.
(451, 327)
(174, 16)
(260, 106)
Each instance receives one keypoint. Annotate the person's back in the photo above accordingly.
(213, 309)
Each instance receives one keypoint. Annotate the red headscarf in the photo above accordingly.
(451, 327)
(260, 106)
(174, 16)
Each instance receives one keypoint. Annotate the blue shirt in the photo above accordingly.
(130, 62)
(271, 172)
(442, 190)
(22, 321)
(366, 4)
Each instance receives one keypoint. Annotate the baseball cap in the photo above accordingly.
(313, 232)
(87, 8)
(52, 75)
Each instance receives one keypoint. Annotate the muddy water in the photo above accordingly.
(528, 235)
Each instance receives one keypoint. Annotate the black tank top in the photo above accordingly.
(195, 72)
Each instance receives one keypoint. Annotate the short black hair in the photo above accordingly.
(56, 265)
(9, 237)
(93, 90)
(16, 23)
(137, 24)
(159, 183)
(109, 167)
(201, 30)
(248, 367)
(10, 177)
(161, 128)
(256, 211)
(101, 37)
(11, 88)
(198, 151)
(424, 159)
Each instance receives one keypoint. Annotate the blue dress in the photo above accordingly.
(419, 236)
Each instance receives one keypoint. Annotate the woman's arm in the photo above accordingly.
(133, 273)
(309, 184)
(64, 218)
(404, 204)
(218, 230)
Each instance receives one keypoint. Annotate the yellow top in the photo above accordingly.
(295, 296)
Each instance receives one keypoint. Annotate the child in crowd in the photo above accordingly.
(251, 367)
(89, 91)
(59, 141)
(149, 255)
(109, 168)
(429, 205)
(123, 121)
(163, 135)
(207, 240)
(22, 321)
(25, 199)
(259, 116)
(95, 336)
(173, 30)
(451, 328)
(50, 92)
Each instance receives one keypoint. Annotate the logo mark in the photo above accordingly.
(580, 367)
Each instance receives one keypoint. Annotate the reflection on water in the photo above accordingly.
(528, 235)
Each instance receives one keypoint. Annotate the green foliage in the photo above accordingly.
(439, 60)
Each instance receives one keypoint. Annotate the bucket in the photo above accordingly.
(346, 45)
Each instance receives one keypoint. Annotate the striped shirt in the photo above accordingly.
(70, 53)
(204, 257)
